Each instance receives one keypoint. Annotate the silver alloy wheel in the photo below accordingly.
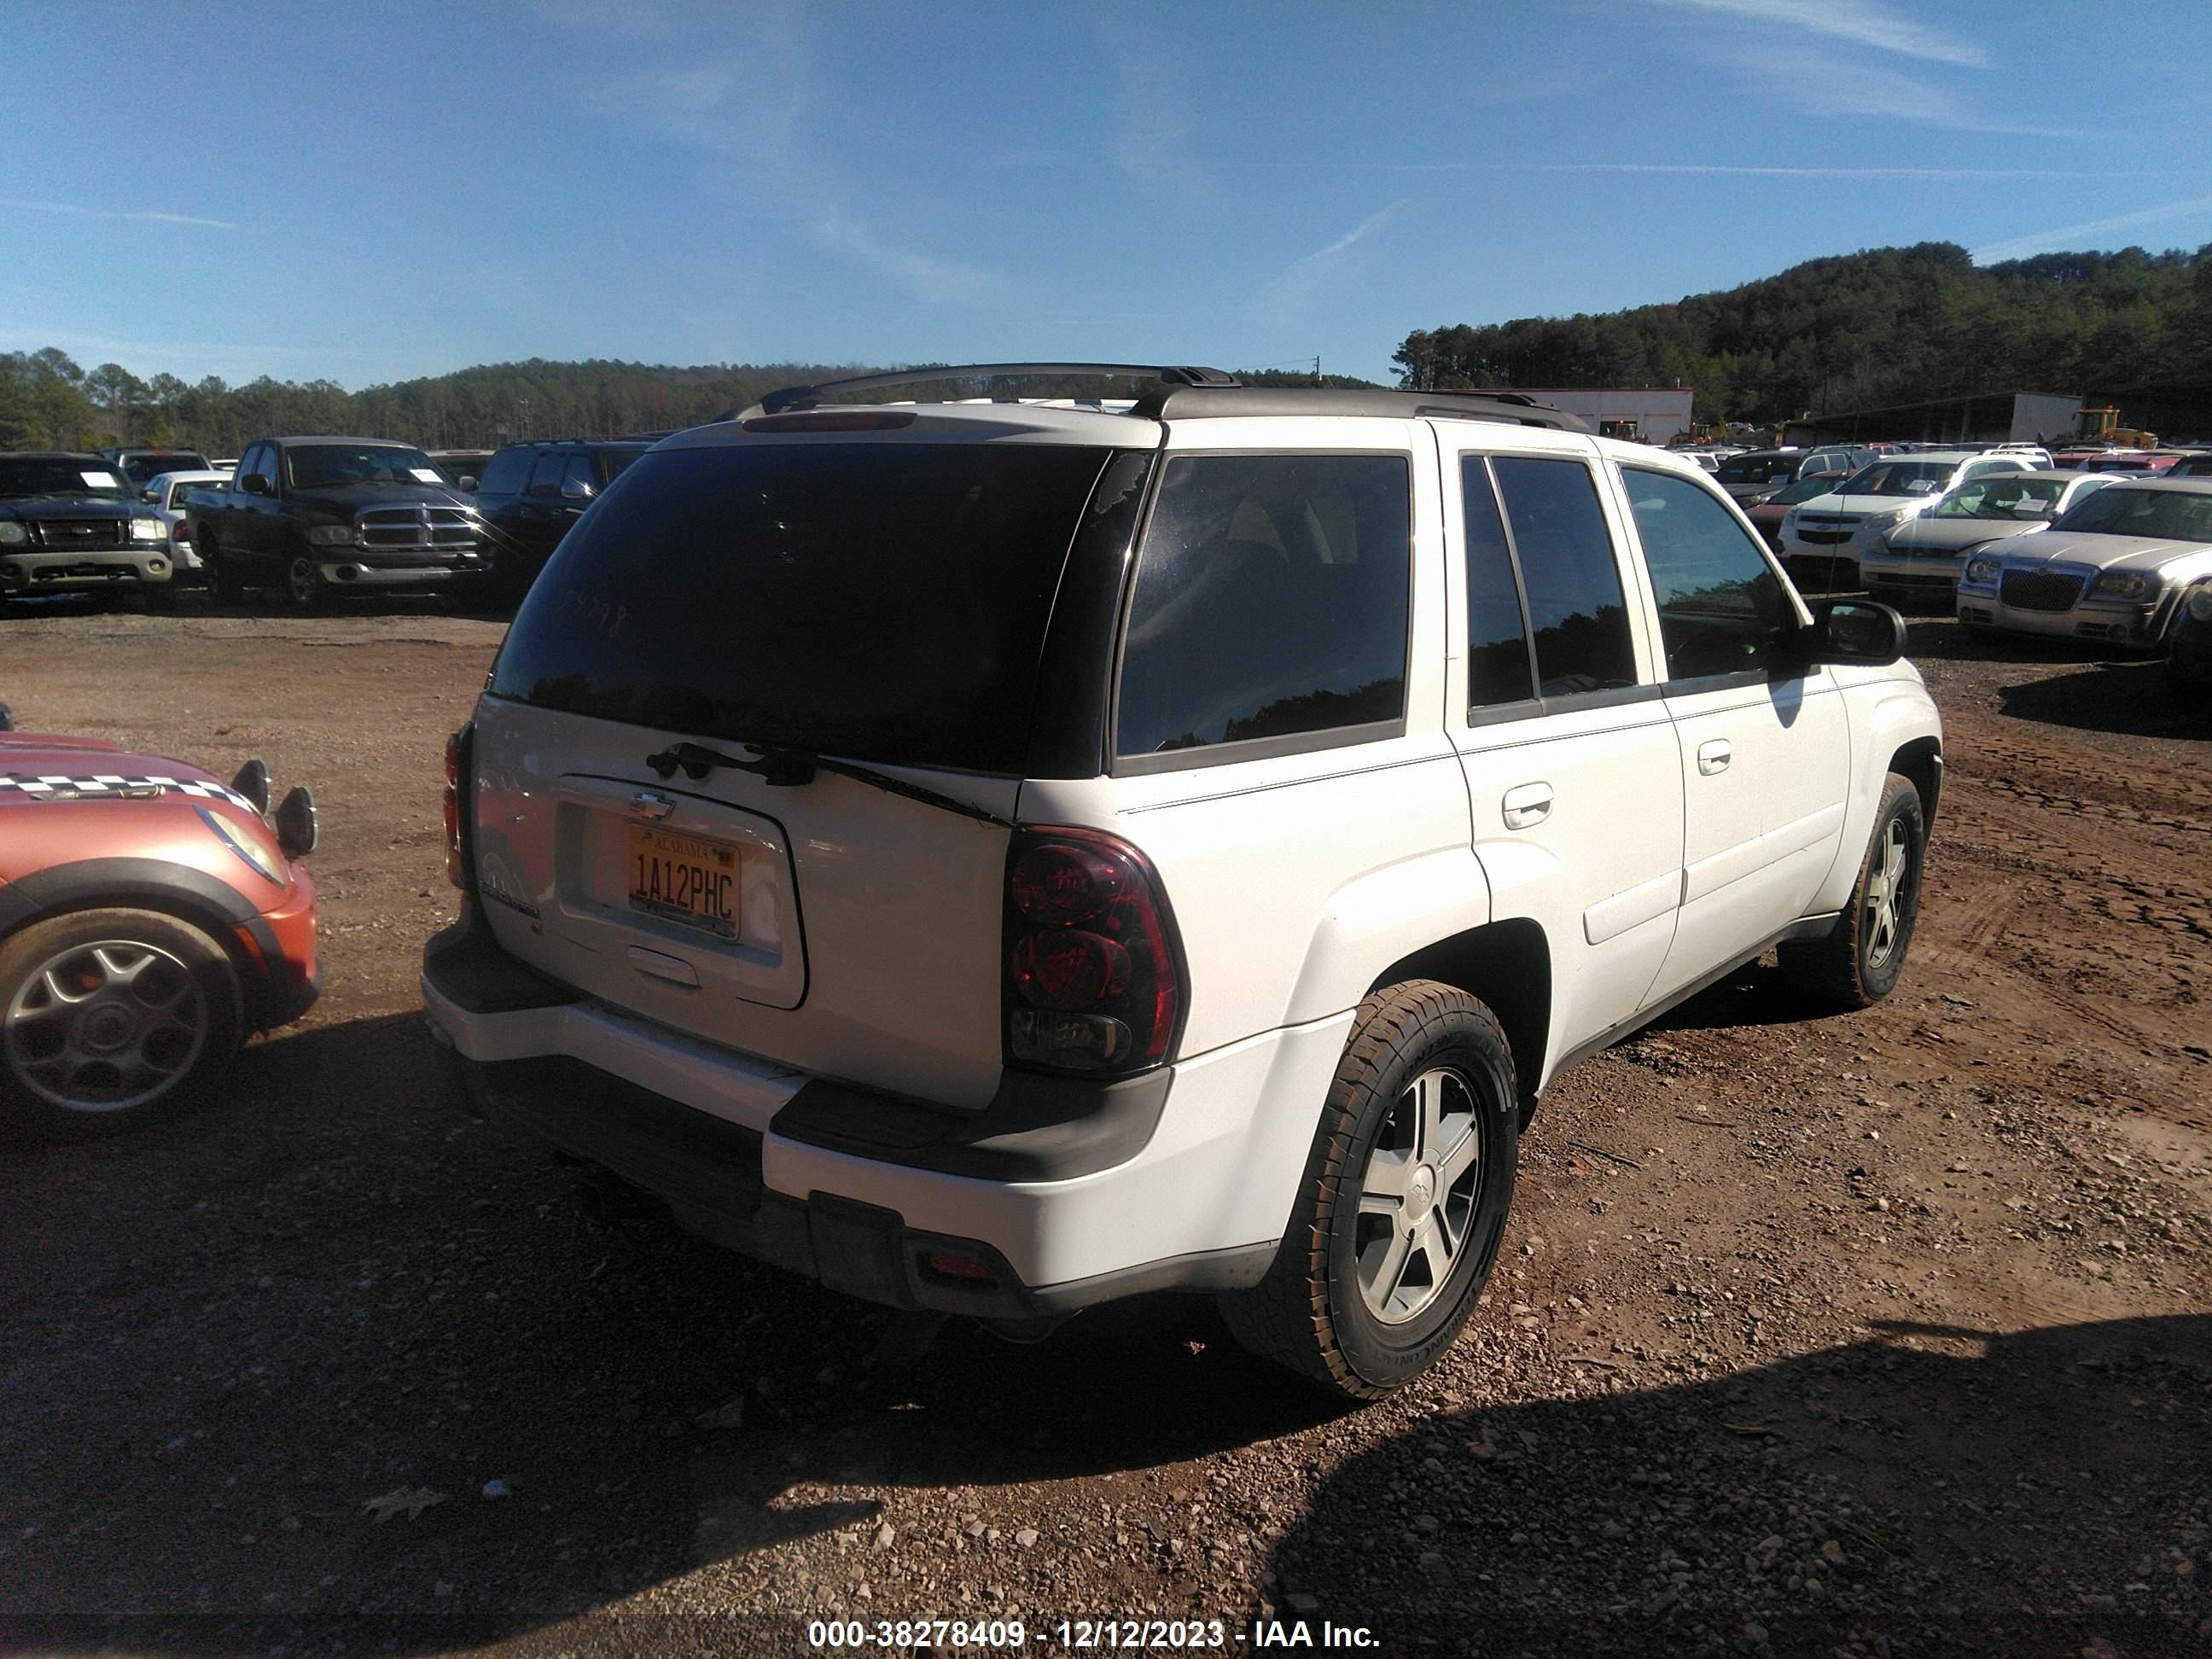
(1885, 894)
(305, 581)
(1417, 1195)
(105, 1026)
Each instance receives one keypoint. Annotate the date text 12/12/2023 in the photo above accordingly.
(1086, 1635)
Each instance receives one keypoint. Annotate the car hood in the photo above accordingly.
(2106, 552)
(343, 501)
(1928, 535)
(1865, 504)
(51, 755)
(65, 507)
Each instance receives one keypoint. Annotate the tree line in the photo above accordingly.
(1862, 331)
(49, 401)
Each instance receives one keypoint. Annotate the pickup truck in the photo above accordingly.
(322, 516)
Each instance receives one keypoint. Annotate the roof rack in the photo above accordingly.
(1509, 408)
(811, 397)
(1187, 392)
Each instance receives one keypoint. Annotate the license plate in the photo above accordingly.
(683, 878)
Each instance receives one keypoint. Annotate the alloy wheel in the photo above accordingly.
(106, 1026)
(1884, 895)
(1418, 1194)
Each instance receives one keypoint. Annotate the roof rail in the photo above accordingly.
(1200, 402)
(808, 397)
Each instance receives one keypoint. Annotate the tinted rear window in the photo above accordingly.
(878, 601)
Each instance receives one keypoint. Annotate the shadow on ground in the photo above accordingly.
(2127, 696)
(229, 1332)
(1925, 1491)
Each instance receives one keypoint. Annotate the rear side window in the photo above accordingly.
(882, 602)
(1720, 605)
(1576, 608)
(505, 473)
(1498, 667)
(1270, 602)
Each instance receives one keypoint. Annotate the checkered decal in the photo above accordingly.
(110, 783)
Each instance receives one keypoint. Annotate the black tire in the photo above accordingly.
(1862, 957)
(305, 590)
(134, 1049)
(1312, 1313)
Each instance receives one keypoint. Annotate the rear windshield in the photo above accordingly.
(139, 469)
(876, 601)
(1758, 468)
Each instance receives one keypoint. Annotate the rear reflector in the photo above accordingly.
(946, 1265)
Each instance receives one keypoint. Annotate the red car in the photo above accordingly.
(151, 919)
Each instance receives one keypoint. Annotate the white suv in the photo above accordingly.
(997, 856)
(1836, 531)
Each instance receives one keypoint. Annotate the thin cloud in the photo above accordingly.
(1701, 167)
(1862, 22)
(76, 211)
(2065, 236)
(1817, 84)
(1286, 298)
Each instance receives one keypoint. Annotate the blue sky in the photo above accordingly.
(366, 194)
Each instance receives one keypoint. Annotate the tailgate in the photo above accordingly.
(828, 926)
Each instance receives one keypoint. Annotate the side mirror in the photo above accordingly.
(1857, 633)
(575, 489)
(151, 497)
(468, 485)
(257, 484)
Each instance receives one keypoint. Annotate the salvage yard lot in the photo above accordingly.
(1887, 1332)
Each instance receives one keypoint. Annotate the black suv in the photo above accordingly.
(143, 467)
(530, 494)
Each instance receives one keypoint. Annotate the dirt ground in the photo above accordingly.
(1882, 1334)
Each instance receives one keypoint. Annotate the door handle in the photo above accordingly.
(1525, 805)
(1714, 756)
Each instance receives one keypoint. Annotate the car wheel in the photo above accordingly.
(110, 1017)
(305, 590)
(1858, 962)
(1403, 1202)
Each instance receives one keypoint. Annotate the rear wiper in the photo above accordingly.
(785, 768)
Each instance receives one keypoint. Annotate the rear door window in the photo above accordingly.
(1576, 611)
(1499, 669)
(1721, 605)
(883, 602)
(1270, 603)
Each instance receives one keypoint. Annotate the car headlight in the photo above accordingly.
(2126, 585)
(2200, 604)
(330, 535)
(13, 534)
(148, 530)
(1982, 571)
(1884, 520)
(1790, 520)
(247, 848)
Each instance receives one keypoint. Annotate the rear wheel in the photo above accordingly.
(109, 1018)
(1862, 957)
(1405, 1197)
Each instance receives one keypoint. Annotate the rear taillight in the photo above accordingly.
(182, 530)
(457, 763)
(1093, 975)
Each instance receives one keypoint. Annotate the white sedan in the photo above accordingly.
(2116, 567)
(164, 493)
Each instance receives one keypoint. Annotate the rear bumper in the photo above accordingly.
(1065, 1193)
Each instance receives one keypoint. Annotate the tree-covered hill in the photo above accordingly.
(1886, 326)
